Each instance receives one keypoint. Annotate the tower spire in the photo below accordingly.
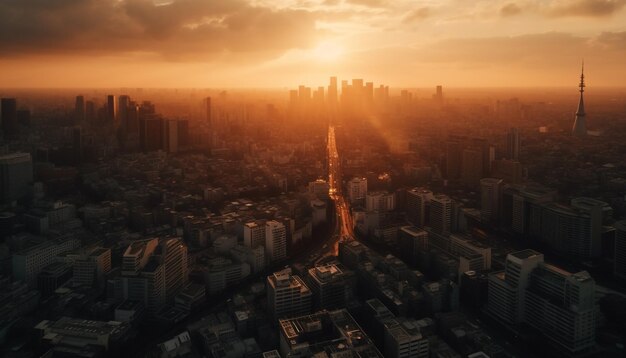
(580, 125)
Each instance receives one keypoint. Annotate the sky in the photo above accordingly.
(284, 43)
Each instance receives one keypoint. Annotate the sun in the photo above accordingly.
(328, 52)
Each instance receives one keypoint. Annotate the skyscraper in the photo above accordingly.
(332, 91)
(208, 110)
(619, 260)
(417, 200)
(9, 117)
(490, 191)
(441, 214)
(580, 123)
(111, 109)
(275, 241)
(122, 110)
(512, 144)
(79, 109)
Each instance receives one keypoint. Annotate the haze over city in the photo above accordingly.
(312, 178)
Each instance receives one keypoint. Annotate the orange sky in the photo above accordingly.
(276, 43)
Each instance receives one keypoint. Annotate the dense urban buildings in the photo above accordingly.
(353, 220)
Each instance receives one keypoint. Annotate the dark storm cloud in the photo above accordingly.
(589, 8)
(175, 30)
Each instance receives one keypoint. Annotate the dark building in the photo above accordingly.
(9, 117)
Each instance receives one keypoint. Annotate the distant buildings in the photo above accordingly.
(8, 115)
(490, 193)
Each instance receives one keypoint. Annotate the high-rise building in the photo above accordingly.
(357, 189)
(111, 110)
(79, 109)
(512, 144)
(575, 230)
(90, 269)
(412, 242)
(332, 91)
(332, 285)
(438, 96)
(207, 103)
(183, 133)
(287, 295)
(171, 136)
(441, 214)
(254, 234)
(174, 260)
(16, 175)
(275, 241)
(90, 111)
(417, 202)
(490, 193)
(122, 111)
(580, 122)
(8, 111)
(619, 259)
(557, 303)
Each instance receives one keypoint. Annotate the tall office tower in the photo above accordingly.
(287, 295)
(561, 305)
(507, 289)
(90, 111)
(441, 214)
(510, 171)
(16, 174)
(332, 91)
(439, 95)
(332, 286)
(619, 258)
(254, 234)
(472, 167)
(403, 339)
(122, 111)
(357, 189)
(77, 143)
(369, 92)
(417, 201)
(454, 153)
(512, 144)
(174, 261)
(8, 113)
(275, 241)
(111, 110)
(580, 122)
(490, 192)
(79, 109)
(209, 118)
(171, 136)
(412, 242)
(575, 230)
(132, 119)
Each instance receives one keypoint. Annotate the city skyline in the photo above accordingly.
(270, 44)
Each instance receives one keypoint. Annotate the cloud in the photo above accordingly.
(510, 9)
(370, 3)
(417, 15)
(611, 40)
(586, 8)
(206, 29)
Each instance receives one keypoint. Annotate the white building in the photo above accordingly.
(275, 241)
(357, 189)
(441, 214)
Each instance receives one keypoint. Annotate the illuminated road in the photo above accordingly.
(345, 227)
